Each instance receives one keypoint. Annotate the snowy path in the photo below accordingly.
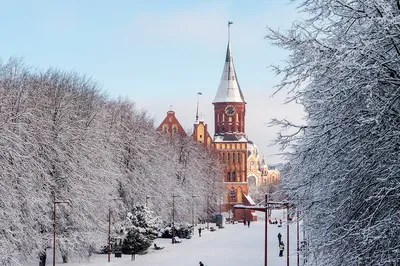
(235, 245)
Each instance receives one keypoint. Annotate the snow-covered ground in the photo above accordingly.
(235, 245)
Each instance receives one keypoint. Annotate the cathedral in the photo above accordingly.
(240, 157)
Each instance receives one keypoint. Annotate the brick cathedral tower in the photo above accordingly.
(229, 139)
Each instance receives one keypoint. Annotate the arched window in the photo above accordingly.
(223, 157)
(229, 177)
(233, 176)
(233, 157)
(229, 157)
(238, 157)
(232, 194)
(174, 128)
(165, 128)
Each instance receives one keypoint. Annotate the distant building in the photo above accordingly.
(170, 125)
(240, 156)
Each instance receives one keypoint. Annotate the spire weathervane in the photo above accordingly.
(197, 110)
(229, 30)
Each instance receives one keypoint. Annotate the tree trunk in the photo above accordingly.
(42, 258)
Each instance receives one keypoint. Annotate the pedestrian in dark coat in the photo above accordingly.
(201, 264)
(248, 223)
(279, 238)
(199, 231)
(281, 249)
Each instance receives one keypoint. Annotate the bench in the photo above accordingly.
(157, 247)
(176, 240)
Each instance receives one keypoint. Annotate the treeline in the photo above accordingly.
(343, 170)
(63, 139)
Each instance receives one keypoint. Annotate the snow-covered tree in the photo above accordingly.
(344, 162)
(141, 227)
(62, 139)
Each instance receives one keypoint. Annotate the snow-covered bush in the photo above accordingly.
(140, 228)
(135, 242)
(181, 230)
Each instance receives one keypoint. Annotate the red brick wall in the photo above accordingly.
(221, 120)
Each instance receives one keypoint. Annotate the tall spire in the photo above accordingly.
(197, 109)
(229, 30)
(229, 89)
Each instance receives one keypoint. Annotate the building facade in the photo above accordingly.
(239, 156)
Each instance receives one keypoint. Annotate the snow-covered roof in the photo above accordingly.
(229, 89)
(229, 138)
(253, 150)
(249, 199)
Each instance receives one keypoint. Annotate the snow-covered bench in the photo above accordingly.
(157, 247)
(177, 239)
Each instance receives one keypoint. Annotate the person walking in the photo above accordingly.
(281, 249)
(201, 264)
(199, 231)
(279, 238)
(248, 223)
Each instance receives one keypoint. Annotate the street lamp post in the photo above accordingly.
(287, 234)
(207, 214)
(109, 231)
(193, 196)
(220, 205)
(147, 197)
(298, 237)
(266, 230)
(54, 228)
(173, 217)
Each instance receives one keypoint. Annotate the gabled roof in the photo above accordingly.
(249, 199)
(229, 89)
(170, 125)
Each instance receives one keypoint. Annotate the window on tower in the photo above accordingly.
(228, 177)
(233, 176)
(233, 157)
(232, 193)
(238, 157)
(229, 157)
(223, 157)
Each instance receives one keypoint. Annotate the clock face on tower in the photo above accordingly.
(230, 110)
